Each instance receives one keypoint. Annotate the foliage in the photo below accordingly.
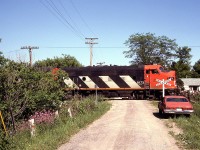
(24, 90)
(195, 97)
(180, 84)
(6, 142)
(2, 59)
(50, 136)
(149, 49)
(182, 66)
(196, 70)
(65, 61)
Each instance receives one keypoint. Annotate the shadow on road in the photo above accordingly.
(160, 116)
(167, 116)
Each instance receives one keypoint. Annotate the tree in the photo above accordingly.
(182, 66)
(65, 61)
(149, 49)
(2, 59)
(196, 69)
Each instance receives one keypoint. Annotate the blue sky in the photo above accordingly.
(34, 23)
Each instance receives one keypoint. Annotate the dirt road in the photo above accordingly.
(129, 125)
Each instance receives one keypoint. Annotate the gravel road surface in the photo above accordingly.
(128, 125)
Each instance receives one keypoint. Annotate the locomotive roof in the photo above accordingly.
(95, 68)
(139, 67)
(103, 70)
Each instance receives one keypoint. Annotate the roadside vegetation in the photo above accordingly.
(34, 93)
(50, 136)
(190, 126)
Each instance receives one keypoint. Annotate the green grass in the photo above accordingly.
(191, 129)
(49, 137)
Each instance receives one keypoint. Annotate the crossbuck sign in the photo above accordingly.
(163, 82)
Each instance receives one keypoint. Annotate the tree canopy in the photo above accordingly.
(196, 70)
(148, 49)
(182, 65)
(65, 61)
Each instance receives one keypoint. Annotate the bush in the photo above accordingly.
(25, 90)
(6, 143)
(195, 97)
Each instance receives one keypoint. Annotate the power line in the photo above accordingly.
(62, 16)
(95, 47)
(78, 12)
(53, 6)
(75, 25)
(56, 13)
(78, 47)
(13, 51)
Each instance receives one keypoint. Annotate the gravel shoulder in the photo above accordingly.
(128, 125)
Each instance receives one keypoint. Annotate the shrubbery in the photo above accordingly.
(25, 90)
(28, 92)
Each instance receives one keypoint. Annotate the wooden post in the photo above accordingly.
(3, 124)
(32, 127)
(69, 111)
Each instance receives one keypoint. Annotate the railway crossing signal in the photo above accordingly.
(163, 82)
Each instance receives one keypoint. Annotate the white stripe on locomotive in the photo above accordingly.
(130, 81)
(70, 83)
(87, 81)
(110, 83)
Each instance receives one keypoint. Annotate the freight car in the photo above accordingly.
(139, 82)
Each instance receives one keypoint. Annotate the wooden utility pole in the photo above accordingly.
(91, 42)
(30, 48)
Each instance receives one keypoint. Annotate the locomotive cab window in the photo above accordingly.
(154, 71)
(147, 71)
